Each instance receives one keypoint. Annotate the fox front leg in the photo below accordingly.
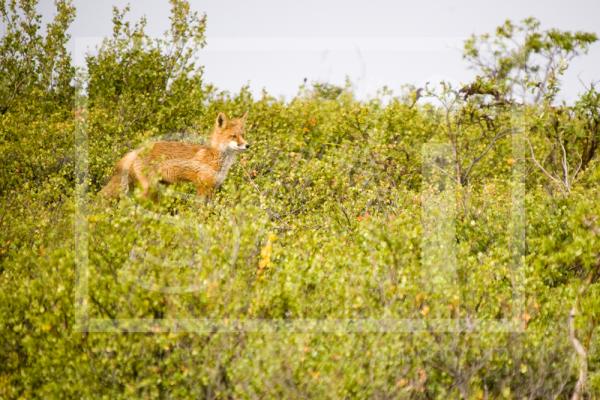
(205, 186)
(206, 192)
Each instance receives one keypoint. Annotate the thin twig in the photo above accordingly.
(582, 353)
(487, 149)
(541, 167)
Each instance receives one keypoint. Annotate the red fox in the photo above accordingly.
(204, 165)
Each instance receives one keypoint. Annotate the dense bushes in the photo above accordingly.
(333, 216)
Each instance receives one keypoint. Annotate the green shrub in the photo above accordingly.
(323, 220)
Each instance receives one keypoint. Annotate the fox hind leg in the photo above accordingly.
(142, 174)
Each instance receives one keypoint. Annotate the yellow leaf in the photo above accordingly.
(523, 369)
(265, 254)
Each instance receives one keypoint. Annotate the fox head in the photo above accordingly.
(228, 134)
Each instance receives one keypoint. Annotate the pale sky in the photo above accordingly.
(275, 44)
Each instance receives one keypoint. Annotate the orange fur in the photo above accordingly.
(204, 165)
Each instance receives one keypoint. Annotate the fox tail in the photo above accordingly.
(121, 179)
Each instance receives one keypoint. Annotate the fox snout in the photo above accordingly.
(233, 145)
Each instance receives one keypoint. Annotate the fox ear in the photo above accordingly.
(221, 120)
(245, 116)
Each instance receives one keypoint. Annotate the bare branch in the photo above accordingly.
(557, 181)
(578, 168)
(564, 163)
(581, 351)
(490, 146)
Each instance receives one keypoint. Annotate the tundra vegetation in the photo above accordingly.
(477, 204)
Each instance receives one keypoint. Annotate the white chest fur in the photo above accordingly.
(227, 161)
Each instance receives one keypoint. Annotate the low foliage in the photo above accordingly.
(343, 210)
